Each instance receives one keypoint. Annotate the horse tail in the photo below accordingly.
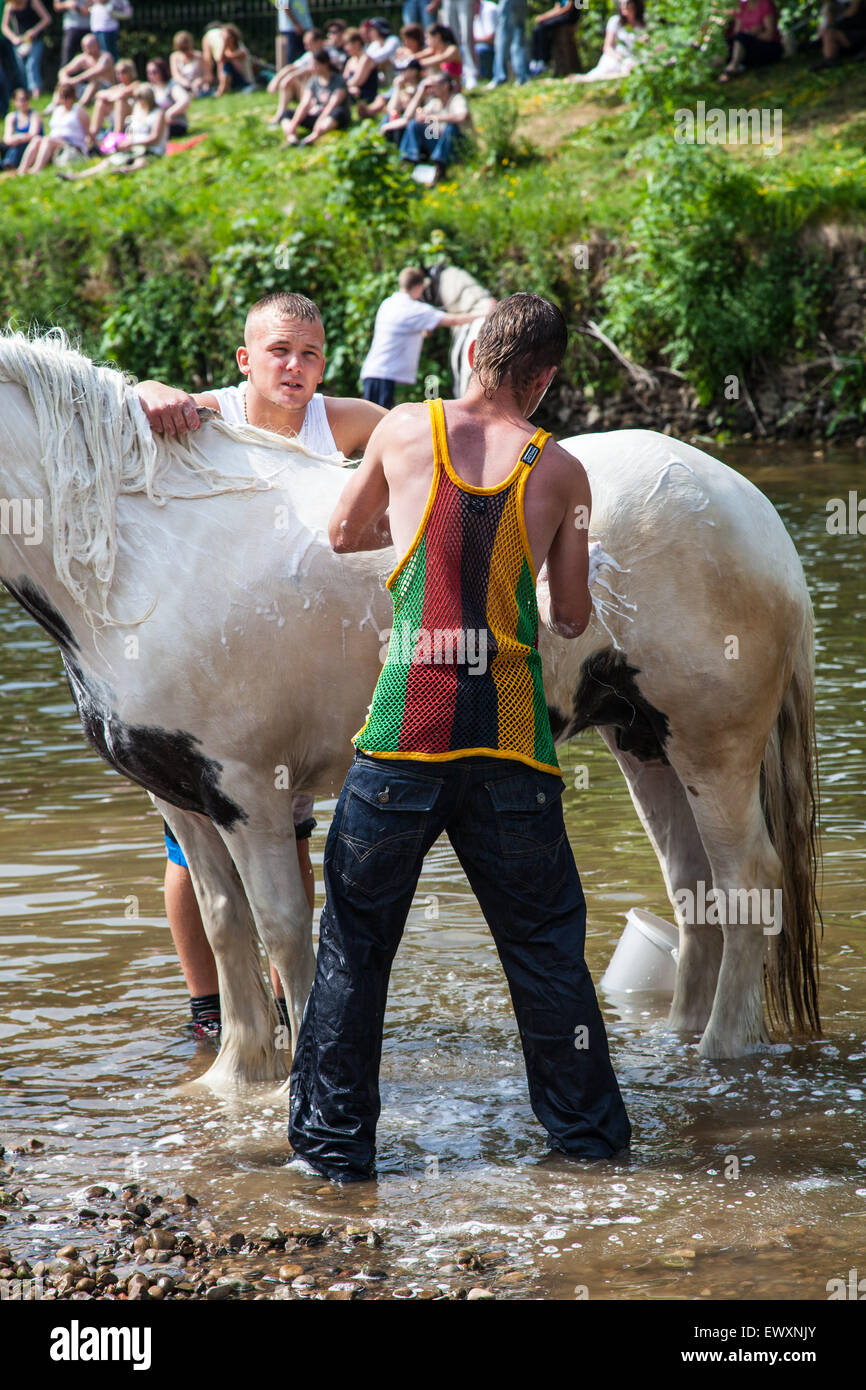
(790, 799)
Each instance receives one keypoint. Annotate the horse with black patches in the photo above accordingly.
(221, 655)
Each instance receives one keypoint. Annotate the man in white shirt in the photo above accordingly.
(401, 322)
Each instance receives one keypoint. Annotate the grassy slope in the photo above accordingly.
(73, 243)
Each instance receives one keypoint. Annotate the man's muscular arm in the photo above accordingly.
(360, 518)
(564, 600)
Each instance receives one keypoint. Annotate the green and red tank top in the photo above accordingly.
(462, 674)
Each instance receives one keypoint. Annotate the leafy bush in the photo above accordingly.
(714, 277)
(368, 182)
(683, 37)
(163, 329)
(497, 126)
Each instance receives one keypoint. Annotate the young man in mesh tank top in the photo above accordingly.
(458, 739)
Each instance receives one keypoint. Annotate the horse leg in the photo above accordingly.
(249, 1020)
(267, 862)
(665, 814)
(731, 823)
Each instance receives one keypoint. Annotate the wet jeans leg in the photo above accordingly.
(384, 822)
(510, 838)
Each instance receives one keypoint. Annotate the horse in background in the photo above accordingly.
(221, 655)
(457, 292)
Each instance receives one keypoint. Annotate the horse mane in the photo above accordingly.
(96, 444)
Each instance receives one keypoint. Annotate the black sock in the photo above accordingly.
(205, 1008)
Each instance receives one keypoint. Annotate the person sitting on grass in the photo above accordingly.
(412, 43)
(115, 101)
(402, 93)
(360, 75)
(92, 71)
(335, 38)
(187, 64)
(753, 37)
(290, 82)
(171, 97)
(21, 125)
(67, 133)
(380, 43)
(842, 36)
(624, 32)
(234, 64)
(145, 138)
(545, 28)
(442, 53)
(436, 121)
(323, 107)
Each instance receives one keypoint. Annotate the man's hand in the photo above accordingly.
(169, 411)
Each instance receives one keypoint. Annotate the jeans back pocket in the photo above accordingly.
(385, 816)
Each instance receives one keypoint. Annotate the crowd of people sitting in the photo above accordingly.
(411, 83)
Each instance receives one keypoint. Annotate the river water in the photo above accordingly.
(747, 1179)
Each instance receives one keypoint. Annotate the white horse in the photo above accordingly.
(458, 292)
(221, 656)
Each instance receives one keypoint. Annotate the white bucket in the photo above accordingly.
(645, 956)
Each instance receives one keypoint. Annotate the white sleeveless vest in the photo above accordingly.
(315, 433)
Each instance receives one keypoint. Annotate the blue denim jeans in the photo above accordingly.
(505, 823)
(108, 42)
(438, 141)
(510, 41)
(30, 68)
(415, 12)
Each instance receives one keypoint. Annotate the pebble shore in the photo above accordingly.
(136, 1244)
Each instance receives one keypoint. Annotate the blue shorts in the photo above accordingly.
(305, 824)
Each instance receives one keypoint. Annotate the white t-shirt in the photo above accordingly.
(102, 21)
(396, 348)
(484, 22)
(301, 11)
(382, 50)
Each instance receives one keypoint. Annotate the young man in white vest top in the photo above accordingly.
(282, 359)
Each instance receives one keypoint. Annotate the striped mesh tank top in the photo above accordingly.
(462, 674)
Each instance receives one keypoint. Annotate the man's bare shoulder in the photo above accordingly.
(406, 423)
(561, 464)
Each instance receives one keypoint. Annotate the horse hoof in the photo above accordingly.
(714, 1047)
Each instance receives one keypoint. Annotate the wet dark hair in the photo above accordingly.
(524, 335)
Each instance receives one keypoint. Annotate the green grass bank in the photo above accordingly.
(732, 274)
